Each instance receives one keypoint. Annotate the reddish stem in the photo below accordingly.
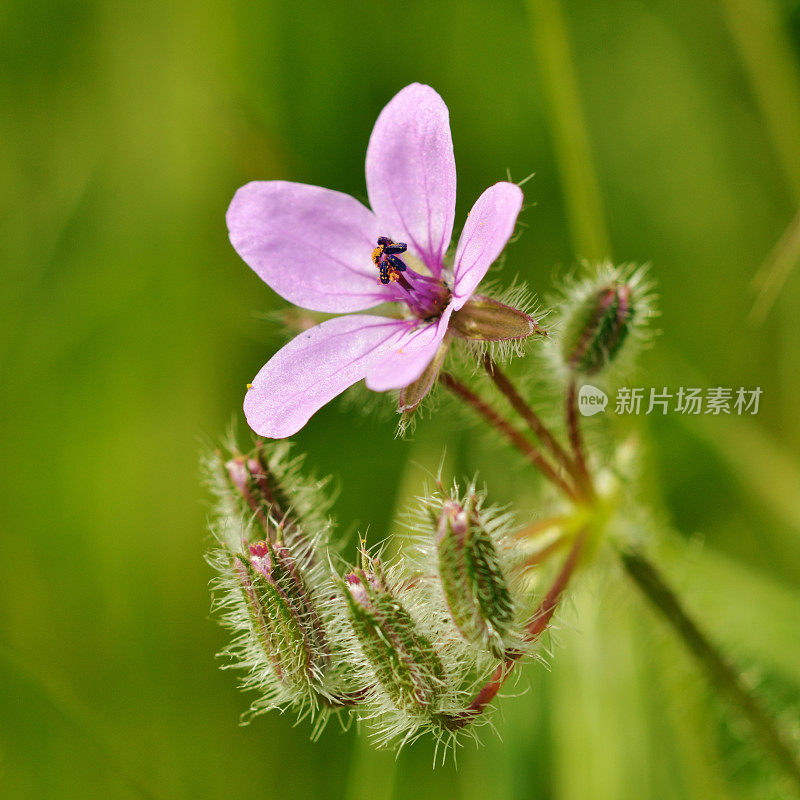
(544, 553)
(532, 419)
(539, 526)
(530, 451)
(535, 628)
(575, 439)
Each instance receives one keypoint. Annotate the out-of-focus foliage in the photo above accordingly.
(130, 327)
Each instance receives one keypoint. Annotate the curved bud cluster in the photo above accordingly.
(605, 315)
(407, 647)
(477, 593)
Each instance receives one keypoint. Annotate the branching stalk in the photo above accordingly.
(529, 450)
(532, 419)
(646, 577)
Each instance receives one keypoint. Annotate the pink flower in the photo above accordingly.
(319, 249)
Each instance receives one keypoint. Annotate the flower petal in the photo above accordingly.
(311, 245)
(487, 230)
(408, 357)
(314, 367)
(411, 173)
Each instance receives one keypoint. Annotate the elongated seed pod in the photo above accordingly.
(473, 583)
(279, 626)
(487, 320)
(404, 660)
(277, 564)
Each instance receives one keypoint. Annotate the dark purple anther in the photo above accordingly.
(397, 263)
(384, 256)
(427, 296)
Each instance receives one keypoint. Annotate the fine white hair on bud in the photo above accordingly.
(415, 673)
(470, 549)
(256, 489)
(477, 592)
(605, 319)
(403, 658)
(405, 646)
(274, 586)
(501, 322)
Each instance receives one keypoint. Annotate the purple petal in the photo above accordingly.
(408, 357)
(411, 173)
(311, 245)
(314, 367)
(487, 230)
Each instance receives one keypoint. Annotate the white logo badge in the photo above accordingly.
(591, 400)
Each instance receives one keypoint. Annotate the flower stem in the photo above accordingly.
(544, 553)
(721, 673)
(537, 625)
(532, 419)
(529, 450)
(576, 440)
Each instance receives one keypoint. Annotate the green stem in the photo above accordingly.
(775, 270)
(772, 72)
(760, 33)
(721, 673)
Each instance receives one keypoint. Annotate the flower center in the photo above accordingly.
(425, 296)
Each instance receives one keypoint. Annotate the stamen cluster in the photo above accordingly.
(386, 258)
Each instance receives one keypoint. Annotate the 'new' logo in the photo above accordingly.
(591, 400)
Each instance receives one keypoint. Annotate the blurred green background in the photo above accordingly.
(658, 131)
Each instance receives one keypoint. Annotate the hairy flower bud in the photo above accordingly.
(282, 613)
(403, 659)
(598, 330)
(488, 320)
(264, 494)
(474, 586)
(603, 314)
(274, 589)
(260, 493)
